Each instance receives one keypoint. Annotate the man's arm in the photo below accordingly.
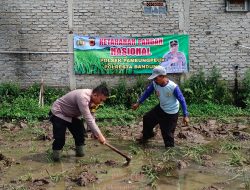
(167, 60)
(178, 94)
(149, 90)
(90, 120)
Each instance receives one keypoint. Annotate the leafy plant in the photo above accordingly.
(50, 93)
(122, 94)
(9, 91)
(201, 89)
(152, 175)
(23, 108)
(246, 89)
(215, 110)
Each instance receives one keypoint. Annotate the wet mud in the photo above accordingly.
(26, 162)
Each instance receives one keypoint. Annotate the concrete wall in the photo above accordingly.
(48, 26)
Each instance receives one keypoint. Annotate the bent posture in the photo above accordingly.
(65, 113)
(166, 112)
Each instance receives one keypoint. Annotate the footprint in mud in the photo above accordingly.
(38, 184)
(111, 163)
(5, 162)
(212, 187)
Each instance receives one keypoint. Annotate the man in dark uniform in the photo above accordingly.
(174, 61)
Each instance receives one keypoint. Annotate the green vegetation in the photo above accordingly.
(49, 156)
(195, 152)
(206, 97)
(84, 63)
(17, 103)
(246, 89)
(56, 177)
(199, 89)
(151, 174)
(88, 67)
(227, 145)
(134, 149)
(26, 177)
(236, 159)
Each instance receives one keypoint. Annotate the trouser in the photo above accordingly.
(166, 121)
(76, 128)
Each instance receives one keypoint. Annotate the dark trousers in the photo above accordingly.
(76, 128)
(166, 121)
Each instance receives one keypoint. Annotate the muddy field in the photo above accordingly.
(209, 155)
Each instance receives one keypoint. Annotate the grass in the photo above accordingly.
(170, 155)
(86, 63)
(33, 148)
(26, 177)
(120, 115)
(236, 159)
(227, 145)
(215, 110)
(158, 164)
(56, 177)
(151, 175)
(134, 149)
(195, 152)
(49, 156)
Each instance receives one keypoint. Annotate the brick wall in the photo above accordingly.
(47, 26)
(213, 35)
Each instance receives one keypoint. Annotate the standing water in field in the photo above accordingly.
(207, 156)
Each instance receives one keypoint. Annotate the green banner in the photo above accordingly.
(134, 55)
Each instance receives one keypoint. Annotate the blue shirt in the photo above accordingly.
(169, 95)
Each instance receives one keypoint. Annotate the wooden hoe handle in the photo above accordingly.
(118, 151)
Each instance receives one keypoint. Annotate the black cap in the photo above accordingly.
(173, 42)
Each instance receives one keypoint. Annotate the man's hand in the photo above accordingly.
(175, 59)
(101, 139)
(135, 106)
(185, 121)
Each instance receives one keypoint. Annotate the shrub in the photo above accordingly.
(199, 89)
(122, 94)
(23, 108)
(246, 89)
(50, 93)
(9, 91)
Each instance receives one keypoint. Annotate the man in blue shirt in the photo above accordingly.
(166, 112)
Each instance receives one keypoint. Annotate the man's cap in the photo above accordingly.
(173, 42)
(157, 71)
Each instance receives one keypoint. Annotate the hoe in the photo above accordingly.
(128, 159)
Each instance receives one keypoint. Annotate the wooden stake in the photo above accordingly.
(41, 95)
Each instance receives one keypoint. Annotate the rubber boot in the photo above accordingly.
(56, 155)
(79, 151)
